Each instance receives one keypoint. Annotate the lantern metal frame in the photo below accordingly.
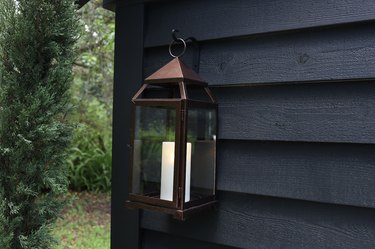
(174, 73)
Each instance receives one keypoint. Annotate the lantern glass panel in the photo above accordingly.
(201, 135)
(153, 151)
(197, 93)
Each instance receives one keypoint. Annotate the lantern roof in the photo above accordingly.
(174, 71)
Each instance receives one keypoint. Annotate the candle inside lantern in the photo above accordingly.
(167, 171)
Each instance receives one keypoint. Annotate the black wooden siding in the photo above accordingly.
(295, 82)
(128, 72)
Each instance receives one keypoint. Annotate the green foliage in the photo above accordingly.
(93, 71)
(36, 56)
(90, 158)
(5, 239)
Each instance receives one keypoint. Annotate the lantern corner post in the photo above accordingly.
(182, 147)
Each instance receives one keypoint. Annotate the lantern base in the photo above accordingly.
(179, 214)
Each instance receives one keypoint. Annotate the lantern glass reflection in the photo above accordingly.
(154, 126)
(202, 135)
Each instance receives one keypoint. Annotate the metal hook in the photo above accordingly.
(177, 39)
(174, 37)
(193, 41)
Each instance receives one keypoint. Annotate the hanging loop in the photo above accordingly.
(178, 40)
(189, 40)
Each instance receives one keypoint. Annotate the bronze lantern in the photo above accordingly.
(173, 161)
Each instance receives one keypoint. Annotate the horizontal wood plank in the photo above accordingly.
(331, 112)
(255, 222)
(157, 240)
(214, 19)
(331, 173)
(334, 54)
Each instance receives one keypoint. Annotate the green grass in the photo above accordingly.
(85, 223)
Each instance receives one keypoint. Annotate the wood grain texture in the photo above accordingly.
(334, 54)
(157, 240)
(128, 71)
(330, 173)
(254, 222)
(330, 112)
(214, 19)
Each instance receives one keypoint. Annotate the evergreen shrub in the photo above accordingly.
(37, 40)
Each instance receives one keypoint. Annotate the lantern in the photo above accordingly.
(173, 160)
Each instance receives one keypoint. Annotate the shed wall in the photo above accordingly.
(295, 86)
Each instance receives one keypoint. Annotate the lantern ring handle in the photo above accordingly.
(174, 42)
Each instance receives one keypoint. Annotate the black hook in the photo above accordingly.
(195, 44)
(174, 37)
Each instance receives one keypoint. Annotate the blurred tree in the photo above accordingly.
(93, 71)
(91, 153)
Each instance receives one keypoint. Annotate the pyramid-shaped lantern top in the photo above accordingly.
(174, 71)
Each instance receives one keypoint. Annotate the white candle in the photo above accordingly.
(188, 172)
(167, 171)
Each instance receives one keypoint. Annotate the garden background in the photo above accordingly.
(85, 222)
